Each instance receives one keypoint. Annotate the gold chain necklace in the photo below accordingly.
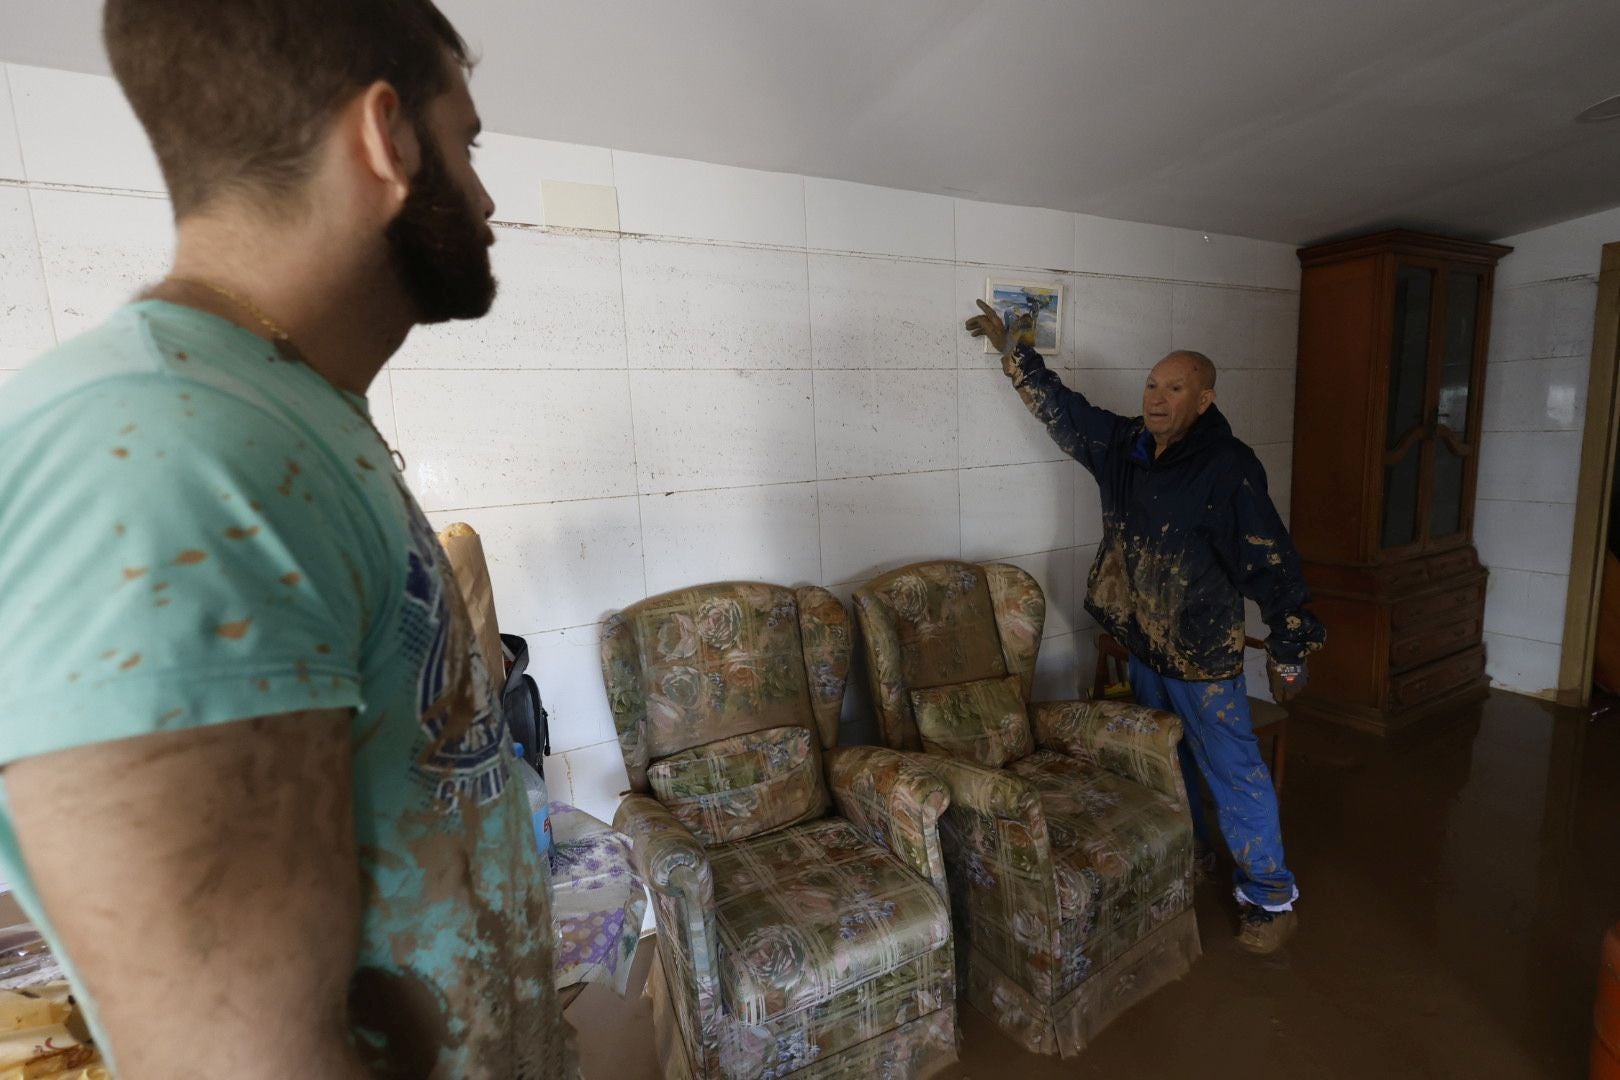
(284, 345)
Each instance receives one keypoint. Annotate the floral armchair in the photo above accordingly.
(791, 940)
(1068, 843)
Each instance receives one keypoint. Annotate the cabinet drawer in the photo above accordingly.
(1433, 642)
(1416, 687)
(1437, 607)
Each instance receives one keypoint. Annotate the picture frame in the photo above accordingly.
(1045, 300)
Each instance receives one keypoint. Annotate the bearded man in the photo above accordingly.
(257, 789)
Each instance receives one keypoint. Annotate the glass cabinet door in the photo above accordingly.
(1404, 440)
(1452, 440)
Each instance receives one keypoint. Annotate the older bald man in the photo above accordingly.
(1188, 532)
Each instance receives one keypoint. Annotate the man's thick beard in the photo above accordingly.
(437, 246)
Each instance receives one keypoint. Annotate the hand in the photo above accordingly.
(1283, 687)
(989, 325)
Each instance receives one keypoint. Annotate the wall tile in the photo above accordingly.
(596, 778)
(970, 288)
(98, 252)
(1054, 571)
(1529, 466)
(557, 565)
(1213, 258)
(1525, 536)
(706, 429)
(567, 665)
(497, 438)
(750, 534)
(699, 306)
(380, 401)
(1117, 390)
(1526, 605)
(1003, 235)
(874, 422)
(1017, 509)
(25, 307)
(660, 196)
(567, 205)
(841, 216)
(512, 168)
(1123, 248)
(881, 313)
(1515, 663)
(78, 129)
(1271, 407)
(1120, 322)
(1275, 342)
(1276, 266)
(873, 524)
(1084, 557)
(11, 163)
(995, 427)
(1553, 318)
(1064, 668)
(1536, 395)
(559, 306)
(1088, 522)
(1217, 322)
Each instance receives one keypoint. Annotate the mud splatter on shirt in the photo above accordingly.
(273, 604)
(1186, 536)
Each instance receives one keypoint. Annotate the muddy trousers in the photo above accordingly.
(1219, 752)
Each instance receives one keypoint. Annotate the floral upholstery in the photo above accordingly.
(809, 912)
(744, 785)
(1070, 866)
(790, 942)
(1122, 859)
(983, 721)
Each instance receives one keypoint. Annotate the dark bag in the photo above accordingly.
(525, 716)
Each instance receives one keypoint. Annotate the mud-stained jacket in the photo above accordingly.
(1186, 536)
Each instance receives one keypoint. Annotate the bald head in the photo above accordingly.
(1180, 388)
(1200, 367)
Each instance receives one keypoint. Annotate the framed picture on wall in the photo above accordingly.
(1035, 310)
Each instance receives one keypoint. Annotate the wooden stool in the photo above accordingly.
(1111, 682)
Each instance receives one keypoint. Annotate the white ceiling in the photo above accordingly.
(1289, 120)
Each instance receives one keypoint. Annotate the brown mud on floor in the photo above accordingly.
(1455, 886)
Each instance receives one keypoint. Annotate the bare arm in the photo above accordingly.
(205, 884)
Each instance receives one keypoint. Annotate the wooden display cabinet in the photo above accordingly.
(1393, 332)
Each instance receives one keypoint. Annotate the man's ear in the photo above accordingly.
(388, 144)
(1206, 398)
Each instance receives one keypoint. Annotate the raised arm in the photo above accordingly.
(204, 883)
(1080, 429)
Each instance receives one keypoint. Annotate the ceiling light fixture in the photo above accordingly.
(1607, 109)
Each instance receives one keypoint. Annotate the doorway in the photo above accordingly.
(1592, 617)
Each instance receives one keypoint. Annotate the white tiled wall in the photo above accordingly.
(762, 376)
(1530, 451)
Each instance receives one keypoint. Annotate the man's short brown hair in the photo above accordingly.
(236, 95)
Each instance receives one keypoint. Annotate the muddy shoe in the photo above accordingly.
(1263, 932)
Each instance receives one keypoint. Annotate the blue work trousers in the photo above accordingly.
(1218, 745)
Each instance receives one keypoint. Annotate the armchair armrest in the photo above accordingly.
(1129, 740)
(676, 869)
(1004, 900)
(894, 800)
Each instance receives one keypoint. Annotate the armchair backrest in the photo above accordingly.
(942, 623)
(698, 665)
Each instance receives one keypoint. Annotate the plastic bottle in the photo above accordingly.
(534, 786)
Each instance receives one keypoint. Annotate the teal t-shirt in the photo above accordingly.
(196, 530)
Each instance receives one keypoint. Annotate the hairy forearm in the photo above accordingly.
(205, 886)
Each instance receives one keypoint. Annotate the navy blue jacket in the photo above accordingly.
(1186, 536)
